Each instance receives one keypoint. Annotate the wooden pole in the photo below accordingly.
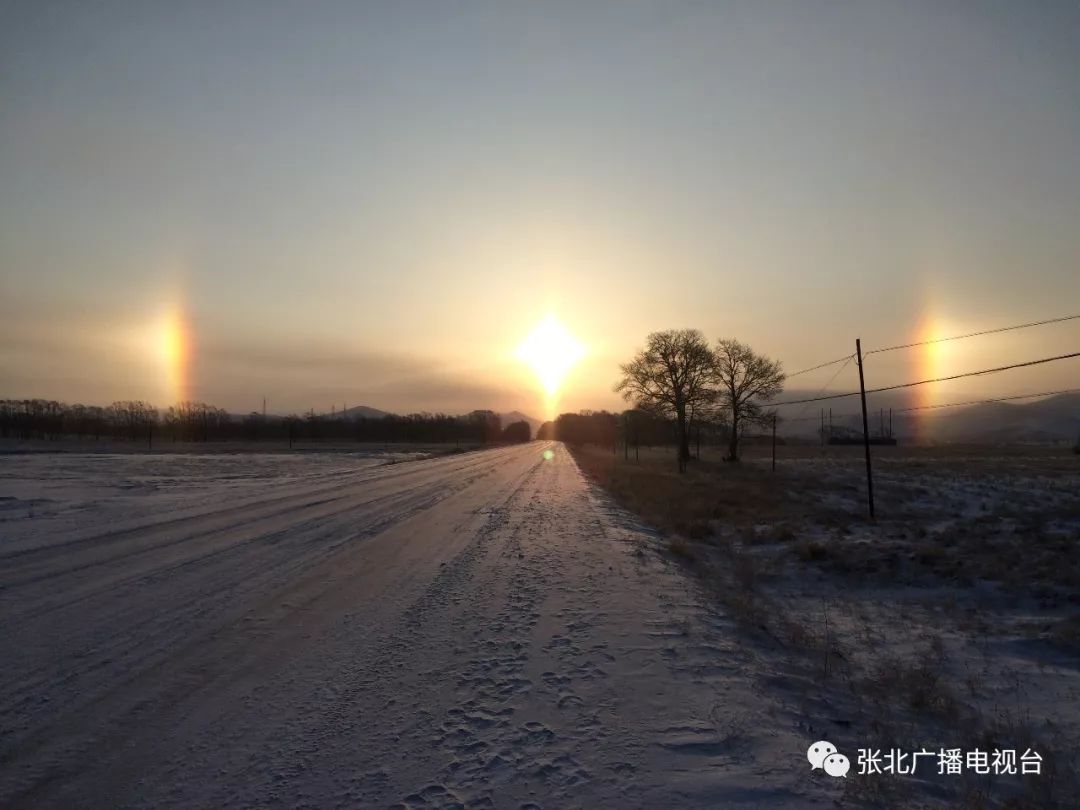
(865, 430)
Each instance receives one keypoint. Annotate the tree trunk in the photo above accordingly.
(733, 441)
(684, 441)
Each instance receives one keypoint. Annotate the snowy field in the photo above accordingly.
(480, 630)
(489, 630)
(950, 621)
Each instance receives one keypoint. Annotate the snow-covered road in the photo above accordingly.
(481, 630)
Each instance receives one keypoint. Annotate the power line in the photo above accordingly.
(813, 399)
(837, 374)
(948, 404)
(975, 373)
(822, 365)
(832, 378)
(785, 420)
(934, 380)
(972, 334)
(987, 401)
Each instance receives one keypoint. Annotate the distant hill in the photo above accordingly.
(1053, 419)
(361, 412)
(518, 416)
(367, 412)
(357, 412)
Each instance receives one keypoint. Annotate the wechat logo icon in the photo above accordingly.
(823, 754)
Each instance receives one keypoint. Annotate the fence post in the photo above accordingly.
(865, 429)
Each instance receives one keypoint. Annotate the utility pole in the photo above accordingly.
(865, 429)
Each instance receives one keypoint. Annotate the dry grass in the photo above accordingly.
(735, 525)
(947, 515)
(1067, 633)
(686, 504)
(680, 548)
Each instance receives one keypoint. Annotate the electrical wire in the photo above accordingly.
(934, 380)
(822, 365)
(825, 387)
(975, 373)
(948, 404)
(972, 334)
(987, 401)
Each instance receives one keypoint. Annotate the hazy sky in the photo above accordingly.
(375, 203)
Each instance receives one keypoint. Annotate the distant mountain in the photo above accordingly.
(358, 412)
(366, 412)
(518, 416)
(361, 412)
(1053, 419)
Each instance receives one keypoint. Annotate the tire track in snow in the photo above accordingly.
(298, 547)
(483, 634)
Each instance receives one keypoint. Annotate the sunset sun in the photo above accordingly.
(550, 351)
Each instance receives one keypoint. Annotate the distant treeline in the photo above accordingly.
(629, 429)
(199, 422)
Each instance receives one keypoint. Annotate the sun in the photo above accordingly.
(551, 351)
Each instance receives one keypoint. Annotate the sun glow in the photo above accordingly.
(934, 360)
(551, 351)
(174, 350)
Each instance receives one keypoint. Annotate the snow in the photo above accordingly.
(480, 630)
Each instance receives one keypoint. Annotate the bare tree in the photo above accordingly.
(746, 380)
(673, 377)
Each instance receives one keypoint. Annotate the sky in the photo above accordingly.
(375, 203)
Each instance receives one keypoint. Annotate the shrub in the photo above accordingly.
(811, 551)
(680, 548)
